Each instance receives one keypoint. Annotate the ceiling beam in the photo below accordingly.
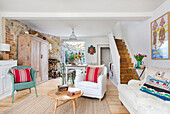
(102, 15)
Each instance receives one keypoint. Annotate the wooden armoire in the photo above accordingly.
(33, 51)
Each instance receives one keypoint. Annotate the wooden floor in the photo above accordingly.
(111, 96)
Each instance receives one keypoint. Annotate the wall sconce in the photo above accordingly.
(4, 47)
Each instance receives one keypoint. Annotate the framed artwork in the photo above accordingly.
(91, 50)
(160, 37)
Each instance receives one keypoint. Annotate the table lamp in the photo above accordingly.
(4, 47)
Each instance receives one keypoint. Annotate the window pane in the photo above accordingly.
(74, 48)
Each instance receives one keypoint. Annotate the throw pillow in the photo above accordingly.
(152, 72)
(93, 73)
(157, 86)
(21, 75)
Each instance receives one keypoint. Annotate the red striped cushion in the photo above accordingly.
(21, 75)
(93, 73)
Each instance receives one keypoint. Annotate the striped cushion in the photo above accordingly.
(21, 75)
(93, 73)
(157, 86)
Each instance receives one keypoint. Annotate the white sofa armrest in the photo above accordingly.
(135, 82)
(102, 82)
(79, 78)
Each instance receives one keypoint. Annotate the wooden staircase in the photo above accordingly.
(125, 62)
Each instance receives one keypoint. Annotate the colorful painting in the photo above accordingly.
(91, 50)
(160, 39)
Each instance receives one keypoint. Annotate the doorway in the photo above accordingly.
(105, 57)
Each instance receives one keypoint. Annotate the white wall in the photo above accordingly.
(0, 29)
(115, 78)
(138, 36)
(117, 30)
(92, 41)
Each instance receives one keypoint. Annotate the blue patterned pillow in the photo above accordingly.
(157, 86)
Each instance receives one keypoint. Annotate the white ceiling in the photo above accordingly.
(79, 5)
(88, 17)
(83, 28)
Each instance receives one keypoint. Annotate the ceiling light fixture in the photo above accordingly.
(72, 36)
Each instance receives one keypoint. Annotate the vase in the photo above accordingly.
(77, 61)
(139, 63)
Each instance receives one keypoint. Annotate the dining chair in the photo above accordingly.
(71, 74)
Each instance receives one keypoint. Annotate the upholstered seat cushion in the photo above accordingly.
(24, 85)
(87, 84)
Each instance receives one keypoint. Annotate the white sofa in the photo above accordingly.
(92, 89)
(138, 102)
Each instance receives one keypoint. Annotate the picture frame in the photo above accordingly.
(91, 50)
(160, 38)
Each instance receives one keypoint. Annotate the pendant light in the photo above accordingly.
(72, 36)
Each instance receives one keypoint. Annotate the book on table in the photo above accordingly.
(73, 91)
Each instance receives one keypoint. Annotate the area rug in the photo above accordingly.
(44, 105)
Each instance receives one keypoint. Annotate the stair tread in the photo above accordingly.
(125, 62)
(127, 73)
(125, 58)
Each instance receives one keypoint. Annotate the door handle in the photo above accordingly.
(41, 56)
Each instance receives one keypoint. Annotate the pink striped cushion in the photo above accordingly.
(21, 75)
(93, 73)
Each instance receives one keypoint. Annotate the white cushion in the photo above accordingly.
(152, 71)
(88, 84)
(127, 92)
(149, 103)
(167, 75)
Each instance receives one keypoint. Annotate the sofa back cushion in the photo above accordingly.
(152, 71)
(157, 86)
(93, 72)
(21, 75)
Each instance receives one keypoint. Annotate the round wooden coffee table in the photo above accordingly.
(63, 97)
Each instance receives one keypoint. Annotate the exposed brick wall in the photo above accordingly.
(13, 28)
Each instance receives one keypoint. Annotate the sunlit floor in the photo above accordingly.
(111, 96)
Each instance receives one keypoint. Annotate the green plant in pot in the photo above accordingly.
(139, 57)
(71, 57)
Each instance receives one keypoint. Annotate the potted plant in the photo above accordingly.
(139, 57)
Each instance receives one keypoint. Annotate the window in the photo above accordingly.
(73, 48)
